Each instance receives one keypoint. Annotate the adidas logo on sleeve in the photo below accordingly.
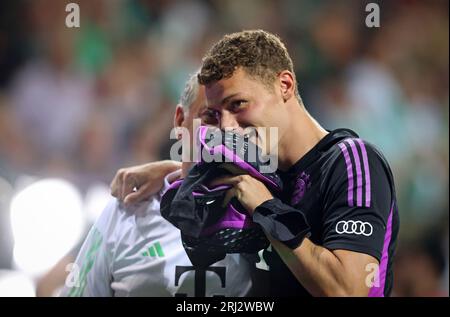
(154, 250)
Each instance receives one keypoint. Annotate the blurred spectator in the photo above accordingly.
(420, 266)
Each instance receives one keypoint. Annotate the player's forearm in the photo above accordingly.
(319, 270)
(169, 166)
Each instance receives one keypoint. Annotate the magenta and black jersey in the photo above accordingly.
(345, 188)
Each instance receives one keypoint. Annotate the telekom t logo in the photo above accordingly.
(200, 278)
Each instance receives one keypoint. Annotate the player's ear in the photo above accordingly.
(178, 120)
(287, 85)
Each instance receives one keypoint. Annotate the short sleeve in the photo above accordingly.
(358, 199)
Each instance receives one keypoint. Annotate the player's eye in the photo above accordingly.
(238, 105)
(210, 116)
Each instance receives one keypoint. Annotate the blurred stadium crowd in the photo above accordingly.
(80, 103)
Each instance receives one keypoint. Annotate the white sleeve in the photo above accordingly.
(91, 272)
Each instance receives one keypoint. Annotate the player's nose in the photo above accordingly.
(228, 121)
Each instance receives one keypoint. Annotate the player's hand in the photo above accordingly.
(137, 183)
(248, 190)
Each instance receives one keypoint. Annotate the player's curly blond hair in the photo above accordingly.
(262, 55)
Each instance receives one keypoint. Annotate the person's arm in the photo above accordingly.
(55, 278)
(90, 274)
(322, 272)
(327, 273)
(134, 184)
(342, 266)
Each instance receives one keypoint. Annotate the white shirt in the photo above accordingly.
(134, 251)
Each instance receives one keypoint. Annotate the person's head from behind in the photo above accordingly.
(249, 82)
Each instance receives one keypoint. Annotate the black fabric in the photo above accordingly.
(284, 223)
(248, 156)
(195, 206)
(205, 251)
(193, 214)
(190, 214)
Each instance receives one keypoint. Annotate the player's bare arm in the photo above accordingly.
(321, 271)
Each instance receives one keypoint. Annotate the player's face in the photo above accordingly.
(186, 119)
(241, 102)
(195, 110)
